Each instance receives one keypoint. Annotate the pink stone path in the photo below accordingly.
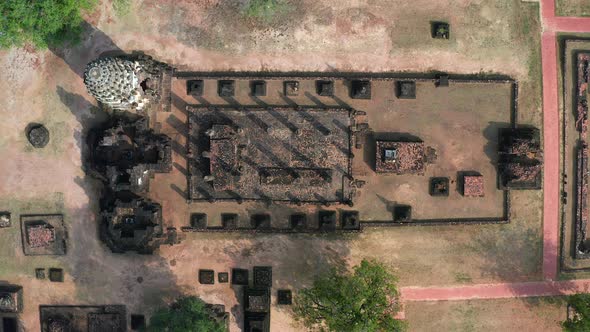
(551, 25)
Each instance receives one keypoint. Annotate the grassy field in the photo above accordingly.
(531, 314)
(572, 7)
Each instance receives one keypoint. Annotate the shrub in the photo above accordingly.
(362, 301)
(42, 22)
(187, 314)
(580, 303)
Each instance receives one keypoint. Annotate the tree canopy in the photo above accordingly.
(187, 314)
(580, 303)
(41, 22)
(364, 300)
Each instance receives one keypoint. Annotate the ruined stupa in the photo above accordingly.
(125, 82)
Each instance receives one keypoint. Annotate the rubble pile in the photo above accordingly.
(473, 186)
(523, 172)
(40, 236)
(400, 157)
(521, 158)
(581, 221)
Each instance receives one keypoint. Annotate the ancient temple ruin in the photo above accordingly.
(298, 139)
(125, 152)
(521, 158)
(582, 243)
(400, 157)
(269, 154)
(127, 82)
(134, 225)
(91, 318)
(11, 299)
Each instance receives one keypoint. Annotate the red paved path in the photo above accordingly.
(551, 156)
(495, 291)
(551, 25)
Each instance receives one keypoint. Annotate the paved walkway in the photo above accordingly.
(495, 291)
(551, 26)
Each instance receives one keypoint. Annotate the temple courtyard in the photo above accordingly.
(253, 154)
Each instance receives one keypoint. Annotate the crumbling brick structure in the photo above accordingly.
(126, 153)
(124, 156)
(11, 299)
(582, 244)
(582, 249)
(43, 234)
(37, 134)
(400, 157)
(279, 154)
(135, 225)
(521, 158)
(257, 309)
(129, 83)
(473, 186)
(102, 318)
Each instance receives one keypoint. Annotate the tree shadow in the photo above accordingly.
(143, 283)
(88, 115)
(296, 260)
(389, 205)
(95, 43)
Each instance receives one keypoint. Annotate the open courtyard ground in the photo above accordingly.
(46, 87)
(529, 314)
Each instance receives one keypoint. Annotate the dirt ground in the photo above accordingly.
(459, 122)
(528, 314)
(45, 86)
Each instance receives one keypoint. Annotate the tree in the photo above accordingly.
(41, 22)
(187, 314)
(580, 321)
(364, 300)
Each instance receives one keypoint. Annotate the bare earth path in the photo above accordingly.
(496, 291)
(551, 25)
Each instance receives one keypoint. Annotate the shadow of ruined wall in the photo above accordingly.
(142, 283)
(94, 43)
(295, 259)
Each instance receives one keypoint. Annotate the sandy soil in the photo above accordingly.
(531, 314)
(46, 87)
